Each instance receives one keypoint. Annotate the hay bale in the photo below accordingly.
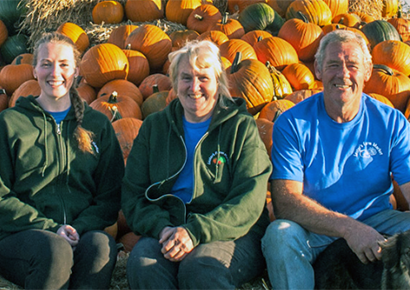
(47, 15)
(371, 7)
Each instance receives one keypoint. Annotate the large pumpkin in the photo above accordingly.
(235, 6)
(277, 51)
(102, 63)
(126, 130)
(378, 31)
(273, 109)
(231, 27)
(393, 53)
(258, 16)
(147, 85)
(402, 25)
(316, 11)
(254, 36)
(280, 6)
(231, 47)
(119, 35)
(180, 37)
(13, 47)
(303, 36)
(153, 42)
(203, 17)
(76, 34)
(390, 83)
(155, 102)
(298, 96)
(337, 6)
(116, 107)
(179, 10)
(250, 79)
(299, 76)
(108, 12)
(13, 75)
(216, 36)
(123, 88)
(144, 10)
(139, 66)
(29, 87)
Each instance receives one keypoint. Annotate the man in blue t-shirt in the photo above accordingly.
(333, 158)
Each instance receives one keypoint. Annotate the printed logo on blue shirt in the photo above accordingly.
(367, 150)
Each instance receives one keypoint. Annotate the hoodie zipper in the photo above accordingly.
(61, 167)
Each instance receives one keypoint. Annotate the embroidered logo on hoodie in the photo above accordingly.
(213, 159)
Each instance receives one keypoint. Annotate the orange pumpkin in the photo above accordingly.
(277, 51)
(29, 87)
(316, 11)
(402, 25)
(86, 92)
(138, 66)
(265, 128)
(116, 107)
(180, 37)
(299, 76)
(126, 130)
(13, 75)
(298, 96)
(153, 42)
(123, 88)
(103, 63)
(273, 109)
(254, 36)
(203, 17)
(229, 49)
(162, 81)
(394, 54)
(303, 36)
(216, 36)
(119, 35)
(144, 10)
(108, 11)
(390, 83)
(279, 6)
(239, 5)
(23, 58)
(76, 34)
(347, 19)
(129, 240)
(250, 79)
(337, 6)
(231, 27)
(179, 10)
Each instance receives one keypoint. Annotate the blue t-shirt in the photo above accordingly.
(346, 167)
(59, 116)
(184, 185)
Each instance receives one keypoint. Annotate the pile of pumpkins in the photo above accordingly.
(267, 48)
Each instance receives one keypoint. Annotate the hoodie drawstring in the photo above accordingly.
(45, 146)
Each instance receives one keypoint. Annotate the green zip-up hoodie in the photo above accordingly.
(46, 181)
(231, 171)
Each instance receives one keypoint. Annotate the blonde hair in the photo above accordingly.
(83, 136)
(201, 54)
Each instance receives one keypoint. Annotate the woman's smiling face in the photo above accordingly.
(55, 70)
(197, 91)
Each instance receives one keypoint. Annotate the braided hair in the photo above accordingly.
(83, 136)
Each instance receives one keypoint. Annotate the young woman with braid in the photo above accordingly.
(60, 175)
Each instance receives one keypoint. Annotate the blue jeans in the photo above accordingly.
(215, 265)
(290, 250)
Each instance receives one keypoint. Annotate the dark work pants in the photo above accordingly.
(216, 265)
(39, 259)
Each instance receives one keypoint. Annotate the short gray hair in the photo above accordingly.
(342, 36)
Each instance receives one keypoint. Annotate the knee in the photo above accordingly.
(54, 252)
(281, 234)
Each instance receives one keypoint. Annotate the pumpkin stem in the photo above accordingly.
(78, 81)
(18, 59)
(236, 61)
(225, 18)
(113, 99)
(115, 113)
(277, 114)
(302, 17)
(259, 38)
(2, 91)
(128, 46)
(198, 17)
(385, 68)
(155, 88)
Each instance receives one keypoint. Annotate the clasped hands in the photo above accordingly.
(70, 234)
(176, 243)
